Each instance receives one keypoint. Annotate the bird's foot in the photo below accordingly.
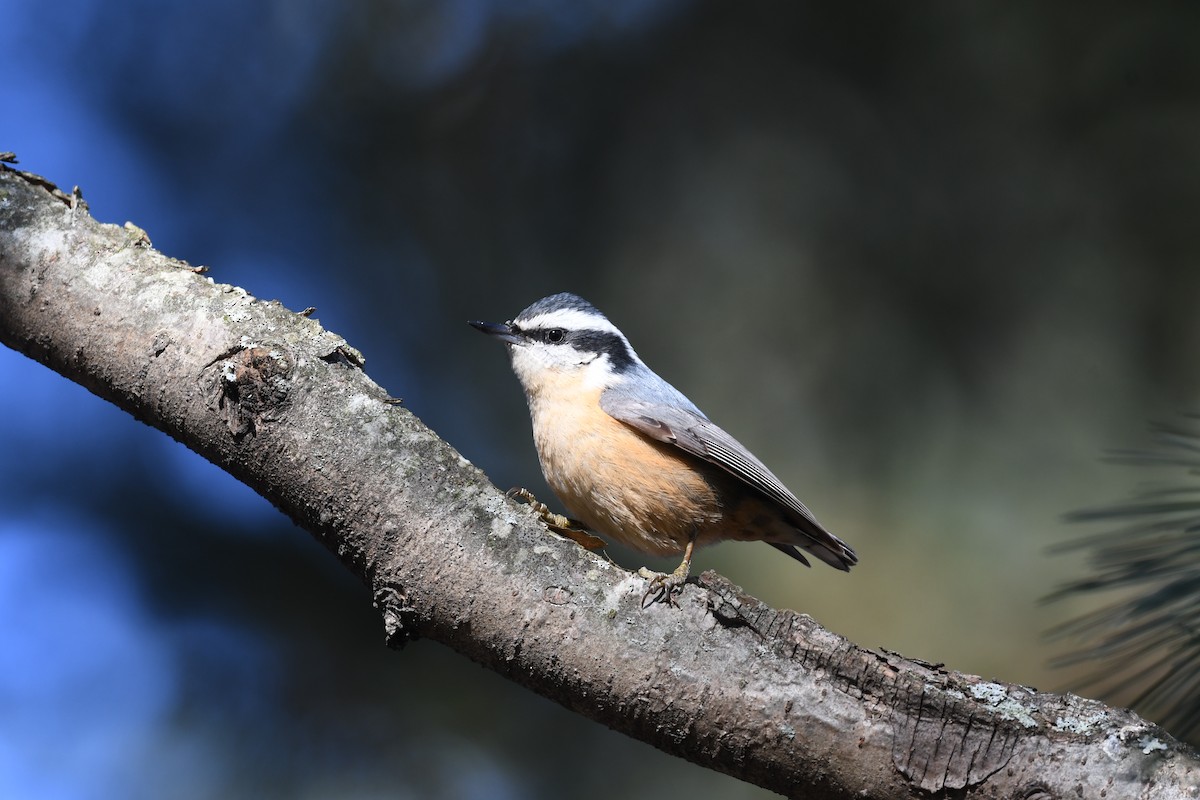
(573, 529)
(664, 587)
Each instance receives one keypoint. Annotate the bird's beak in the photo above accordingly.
(502, 331)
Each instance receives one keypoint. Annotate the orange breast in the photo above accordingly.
(644, 494)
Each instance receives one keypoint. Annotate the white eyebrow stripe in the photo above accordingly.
(571, 319)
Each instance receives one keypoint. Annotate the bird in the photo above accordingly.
(633, 459)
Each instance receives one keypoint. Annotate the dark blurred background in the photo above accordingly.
(927, 260)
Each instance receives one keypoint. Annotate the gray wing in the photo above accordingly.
(693, 433)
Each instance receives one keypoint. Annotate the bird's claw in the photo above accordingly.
(663, 588)
(573, 529)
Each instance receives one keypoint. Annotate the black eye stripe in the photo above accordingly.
(589, 341)
(610, 344)
(547, 335)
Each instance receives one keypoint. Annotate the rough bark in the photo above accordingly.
(765, 695)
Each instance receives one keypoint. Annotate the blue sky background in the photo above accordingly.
(928, 262)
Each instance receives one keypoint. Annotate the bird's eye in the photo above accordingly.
(555, 335)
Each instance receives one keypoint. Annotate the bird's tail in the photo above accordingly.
(822, 544)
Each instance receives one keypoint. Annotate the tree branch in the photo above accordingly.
(767, 696)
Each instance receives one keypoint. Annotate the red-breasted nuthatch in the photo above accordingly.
(632, 458)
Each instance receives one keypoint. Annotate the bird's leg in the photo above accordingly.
(663, 587)
(573, 529)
